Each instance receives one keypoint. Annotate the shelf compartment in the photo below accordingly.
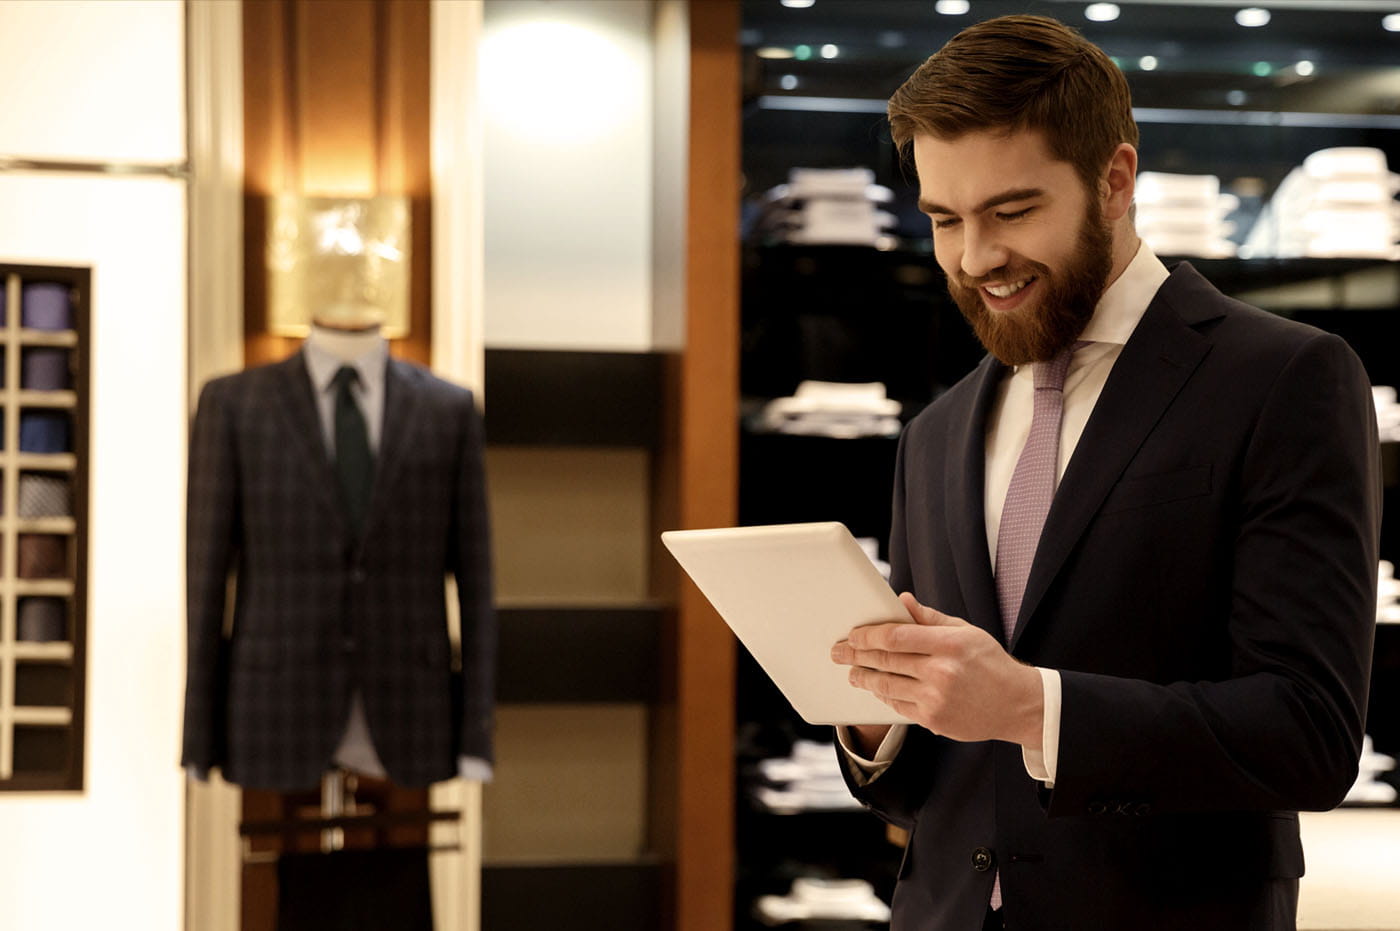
(579, 654)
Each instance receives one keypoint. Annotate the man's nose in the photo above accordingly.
(983, 252)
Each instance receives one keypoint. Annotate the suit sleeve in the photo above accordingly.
(897, 793)
(211, 552)
(1283, 730)
(471, 565)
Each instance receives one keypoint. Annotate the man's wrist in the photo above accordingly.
(1028, 728)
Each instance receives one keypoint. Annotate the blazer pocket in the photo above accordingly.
(1162, 488)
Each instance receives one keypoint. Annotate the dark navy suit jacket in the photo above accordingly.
(1206, 586)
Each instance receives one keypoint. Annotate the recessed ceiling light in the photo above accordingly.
(788, 82)
(1252, 16)
(1391, 23)
(891, 39)
(1236, 98)
(798, 4)
(1305, 68)
(1262, 69)
(1148, 63)
(830, 51)
(1101, 12)
(774, 51)
(952, 7)
(802, 52)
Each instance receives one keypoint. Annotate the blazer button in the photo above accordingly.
(981, 859)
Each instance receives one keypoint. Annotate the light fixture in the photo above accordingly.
(1236, 98)
(1305, 69)
(788, 82)
(1101, 12)
(952, 7)
(1148, 63)
(892, 39)
(774, 52)
(1391, 23)
(802, 52)
(1253, 16)
(798, 4)
(337, 258)
(1262, 69)
(830, 51)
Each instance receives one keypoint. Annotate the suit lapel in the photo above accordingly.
(401, 403)
(965, 477)
(1157, 361)
(298, 408)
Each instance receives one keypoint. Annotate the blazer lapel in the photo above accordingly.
(298, 407)
(1158, 359)
(965, 477)
(401, 402)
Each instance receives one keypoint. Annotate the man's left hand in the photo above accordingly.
(947, 675)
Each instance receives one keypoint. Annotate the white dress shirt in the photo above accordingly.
(1008, 425)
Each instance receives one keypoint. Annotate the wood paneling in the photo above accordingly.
(335, 103)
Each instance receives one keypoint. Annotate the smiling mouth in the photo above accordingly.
(1006, 290)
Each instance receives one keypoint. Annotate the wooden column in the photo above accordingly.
(708, 470)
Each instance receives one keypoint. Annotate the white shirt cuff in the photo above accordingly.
(1043, 764)
(473, 769)
(867, 771)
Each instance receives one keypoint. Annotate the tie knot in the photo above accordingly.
(345, 378)
(1051, 374)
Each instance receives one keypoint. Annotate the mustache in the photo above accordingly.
(1004, 274)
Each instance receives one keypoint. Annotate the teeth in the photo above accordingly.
(1006, 290)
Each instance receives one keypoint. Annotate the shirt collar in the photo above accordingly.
(1125, 300)
(322, 364)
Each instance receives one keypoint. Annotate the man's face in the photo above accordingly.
(1025, 248)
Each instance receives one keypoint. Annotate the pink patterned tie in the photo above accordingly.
(1028, 501)
(1032, 489)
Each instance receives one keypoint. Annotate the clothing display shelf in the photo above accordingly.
(43, 482)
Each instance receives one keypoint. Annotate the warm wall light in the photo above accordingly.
(343, 258)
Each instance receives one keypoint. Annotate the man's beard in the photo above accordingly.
(1063, 307)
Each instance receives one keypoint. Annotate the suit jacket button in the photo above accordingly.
(981, 859)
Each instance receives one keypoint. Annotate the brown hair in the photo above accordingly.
(1017, 73)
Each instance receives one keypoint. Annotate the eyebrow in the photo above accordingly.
(996, 200)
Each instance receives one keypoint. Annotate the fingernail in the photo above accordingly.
(840, 653)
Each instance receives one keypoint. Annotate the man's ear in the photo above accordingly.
(1119, 182)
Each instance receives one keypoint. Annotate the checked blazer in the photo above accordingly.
(288, 614)
(1205, 584)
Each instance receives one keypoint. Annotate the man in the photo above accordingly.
(1142, 646)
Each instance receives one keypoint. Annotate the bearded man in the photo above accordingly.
(1139, 541)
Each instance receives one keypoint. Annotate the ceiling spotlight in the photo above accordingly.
(1262, 69)
(952, 7)
(788, 82)
(830, 51)
(1148, 63)
(1236, 98)
(1391, 23)
(1101, 12)
(1252, 16)
(1304, 68)
(774, 51)
(802, 52)
(798, 4)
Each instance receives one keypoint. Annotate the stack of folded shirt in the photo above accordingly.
(827, 206)
(1338, 203)
(807, 780)
(1387, 594)
(1368, 789)
(834, 409)
(1387, 412)
(823, 900)
(1184, 214)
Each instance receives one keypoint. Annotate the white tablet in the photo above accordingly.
(790, 592)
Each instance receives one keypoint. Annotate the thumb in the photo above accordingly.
(923, 614)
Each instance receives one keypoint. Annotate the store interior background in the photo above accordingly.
(587, 268)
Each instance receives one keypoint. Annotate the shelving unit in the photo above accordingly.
(43, 483)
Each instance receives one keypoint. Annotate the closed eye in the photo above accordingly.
(943, 223)
(1014, 215)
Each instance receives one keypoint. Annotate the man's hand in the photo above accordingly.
(947, 675)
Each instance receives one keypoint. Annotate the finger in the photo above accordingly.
(900, 664)
(885, 686)
(930, 617)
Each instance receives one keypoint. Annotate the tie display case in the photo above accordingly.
(43, 483)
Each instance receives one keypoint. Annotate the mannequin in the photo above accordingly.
(337, 654)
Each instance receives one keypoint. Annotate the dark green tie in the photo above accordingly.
(353, 462)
